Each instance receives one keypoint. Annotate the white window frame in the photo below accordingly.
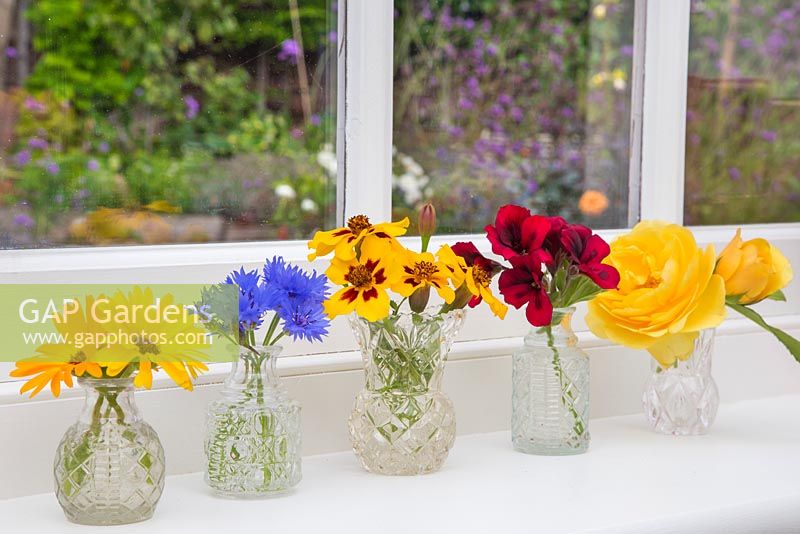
(364, 150)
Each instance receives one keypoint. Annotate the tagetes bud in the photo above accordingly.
(427, 220)
(463, 296)
(752, 270)
(418, 300)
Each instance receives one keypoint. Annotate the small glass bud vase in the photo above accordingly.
(402, 423)
(253, 435)
(550, 397)
(109, 466)
(683, 399)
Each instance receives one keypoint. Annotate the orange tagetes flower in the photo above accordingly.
(342, 241)
(366, 281)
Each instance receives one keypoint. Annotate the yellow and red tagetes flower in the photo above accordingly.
(366, 280)
(343, 241)
(421, 270)
(477, 275)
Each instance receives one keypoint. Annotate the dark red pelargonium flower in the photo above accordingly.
(516, 231)
(522, 286)
(588, 251)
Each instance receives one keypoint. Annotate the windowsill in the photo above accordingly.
(742, 477)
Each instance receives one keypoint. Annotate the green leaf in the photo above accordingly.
(788, 341)
(778, 295)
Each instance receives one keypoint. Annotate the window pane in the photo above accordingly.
(526, 102)
(133, 122)
(743, 113)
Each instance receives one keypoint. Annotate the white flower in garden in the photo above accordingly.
(326, 159)
(411, 187)
(599, 11)
(308, 205)
(620, 82)
(410, 165)
(285, 191)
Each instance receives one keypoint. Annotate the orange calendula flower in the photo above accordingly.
(366, 281)
(421, 270)
(53, 373)
(343, 241)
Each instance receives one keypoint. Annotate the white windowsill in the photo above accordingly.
(742, 477)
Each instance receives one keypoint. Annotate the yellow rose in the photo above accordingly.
(753, 269)
(667, 292)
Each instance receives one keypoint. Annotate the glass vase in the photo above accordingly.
(253, 435)
(109, 466)
(682, 399)
(550, 397)
(402, 423)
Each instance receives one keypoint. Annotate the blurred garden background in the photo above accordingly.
(163, 121)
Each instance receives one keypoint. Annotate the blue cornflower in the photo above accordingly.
(288, 284)
(305, 321)
(252, 297)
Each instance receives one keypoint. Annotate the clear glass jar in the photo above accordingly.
(683, 399)
(109, 466)
(550, 391)
(402, 423)
(253, 435)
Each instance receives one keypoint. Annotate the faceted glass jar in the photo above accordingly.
(402, 423)
(109, 466)
(682, 400)
(550, 391)
(253, 435)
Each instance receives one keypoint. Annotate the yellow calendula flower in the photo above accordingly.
(667, 292)
(176, 346)
(753, 270)
(366, 281)
(343, 241)
(420, 270)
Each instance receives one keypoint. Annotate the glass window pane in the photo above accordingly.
(743, 113)
(132, 122)
(526, 102)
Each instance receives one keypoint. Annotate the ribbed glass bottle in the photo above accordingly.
(550, 391)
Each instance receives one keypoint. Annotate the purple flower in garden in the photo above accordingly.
(626, 51)
(769, 136)
(333, 37)
(92, 165)
(104, 147)
(316, 120)
(426, 12)
(290, 51)
(711, 44)
(37, 143)
(505, 99)
(496, 111)
(23, 157)
(31, 104)
(785, 16)
(81, 194)
(11, 52)
(491, 49)
(746, 43)
(758, 11)
(247, 184)
(297, 133)
(734, 173)
(465, 103)
(775, 42)
(24, 220)
(52, 167)
(556, 59)
(468, 24)
(517, 115)
(567, 112)
(138, 92)
(192, 106)
(455, 131)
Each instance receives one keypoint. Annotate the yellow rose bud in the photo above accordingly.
(753, 269)
(667, 292)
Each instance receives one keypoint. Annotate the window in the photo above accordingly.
(513, 102)
(165, 122)
(743, 113)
